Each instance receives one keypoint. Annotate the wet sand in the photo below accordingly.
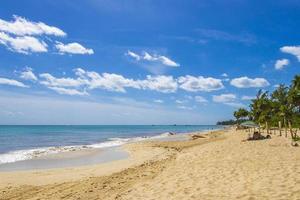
(68, 159)
(220, 165)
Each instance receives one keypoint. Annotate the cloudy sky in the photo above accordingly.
(141, 61)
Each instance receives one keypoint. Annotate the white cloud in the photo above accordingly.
(280, 64)
(200, 99)
(276, 85)
(133, 55)
(107, 81)
(224, 98)
(68, 91)
(6, 81)
(224, 75)
(245, 82)
(28, 75)
(91, 80)
(248, 97)
(200, 83)
(293, 50)
(73, 48)
(23, 44)
(167, 61)
(20, 26)
(51, 81)
(111, 82)
(158, 101)
(153, 58)
(228, 99)
(23, 36)
(164, 84)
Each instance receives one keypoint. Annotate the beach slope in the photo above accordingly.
(221, 165)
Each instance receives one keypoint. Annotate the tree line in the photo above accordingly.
(279, 109)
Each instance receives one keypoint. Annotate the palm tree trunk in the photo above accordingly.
(285, 128)
(291, 131)
(279, 125)
(267, 127)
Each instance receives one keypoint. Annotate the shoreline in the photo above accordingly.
(80, 155)
(138, 152)
(217, 165)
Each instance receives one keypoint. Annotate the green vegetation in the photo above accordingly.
(240, 115)
(279, 109)
(227, 122)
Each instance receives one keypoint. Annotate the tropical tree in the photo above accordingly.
(261, 109)
(282, 108)
(241, 114)
(294, 93)
(294, 100)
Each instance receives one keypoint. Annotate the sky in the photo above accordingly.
(142, 61)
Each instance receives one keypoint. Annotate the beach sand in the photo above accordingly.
(219, 166)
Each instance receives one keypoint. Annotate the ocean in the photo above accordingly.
(19, 143)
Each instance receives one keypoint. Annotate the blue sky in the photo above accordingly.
(141, 61)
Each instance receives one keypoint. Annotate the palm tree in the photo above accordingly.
(244, 114)
(294, 93)
(241, 113)
(282, 108)
(294, 100)
(261, 109)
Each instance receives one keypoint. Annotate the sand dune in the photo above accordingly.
(219, 166)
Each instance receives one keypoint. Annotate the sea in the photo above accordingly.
(19, 143)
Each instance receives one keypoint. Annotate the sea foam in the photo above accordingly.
(28, 154)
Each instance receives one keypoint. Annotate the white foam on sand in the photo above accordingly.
(20, 155)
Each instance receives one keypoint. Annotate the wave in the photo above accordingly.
(21, 155)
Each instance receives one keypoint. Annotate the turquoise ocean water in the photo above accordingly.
(25, 142)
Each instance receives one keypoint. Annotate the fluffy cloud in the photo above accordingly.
(111, 82)
(107, 81)
(90, 80)
(200, 99)
(200, 83)
(51, 81)
(24, 36)
(22, 44)
(164, 84)
(6, 81)
(133, 55)
(153, 58)
(228, 99)
(224, 98)
(73, 48)
(28, 75)
(68, 91)
(224, 75)
(293, 50)
(245, 82)
(280, 64)
(248, 97)
(20, 26)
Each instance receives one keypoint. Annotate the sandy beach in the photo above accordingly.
(220, 165)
